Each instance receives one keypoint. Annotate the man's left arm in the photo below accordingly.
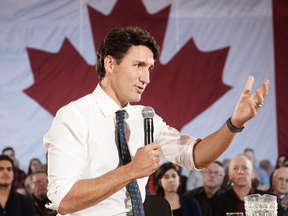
(211, 147)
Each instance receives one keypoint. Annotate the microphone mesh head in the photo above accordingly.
(148, 112)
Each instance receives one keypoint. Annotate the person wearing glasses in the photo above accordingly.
(212, 178)
(38, 184)
(280, 187)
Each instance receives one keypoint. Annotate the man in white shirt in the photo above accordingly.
(85, 172)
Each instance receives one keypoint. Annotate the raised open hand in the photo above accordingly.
(249, 104)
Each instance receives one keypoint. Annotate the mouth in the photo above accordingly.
(139, 89)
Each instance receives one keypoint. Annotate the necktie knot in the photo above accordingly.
(120, 114)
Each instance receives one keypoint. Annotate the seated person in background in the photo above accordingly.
(212, 177)
(34, 165)
(11, 202)
(267, 166)
(264, 183)
(241, 173)
(38, 185)
(279, 163)
(27, 185)
(280, 186)
(19, 175)
(167, 181)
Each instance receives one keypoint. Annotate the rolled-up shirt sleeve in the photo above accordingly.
(175, 146)
(67, 153)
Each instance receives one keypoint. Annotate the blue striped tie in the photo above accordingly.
(136, 199)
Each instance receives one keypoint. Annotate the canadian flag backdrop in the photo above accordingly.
(209, 48)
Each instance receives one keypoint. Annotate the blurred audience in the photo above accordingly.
(38, 184)
(34, 165)
(213, 178)
(194, 180)
(280, 187)
(267, 166)
(167, 182)
(241, 173)
(21, 189)
(27, 185)
(183, 179)
(264, 183)
(11, 202)
(280, 162)
(19, 175)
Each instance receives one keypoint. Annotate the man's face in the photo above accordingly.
(280, 181)
(39, 185)
(241, 172)
(250, 155)
(213, 176)
(6, 173)
(10, 153)
(129, 79)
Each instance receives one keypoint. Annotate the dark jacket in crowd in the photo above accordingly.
(205, 203)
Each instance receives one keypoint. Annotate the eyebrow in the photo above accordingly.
(145, 63)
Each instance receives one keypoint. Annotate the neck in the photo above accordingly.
(210, 191)
(111, 93)
(173, 199)
(242, 191)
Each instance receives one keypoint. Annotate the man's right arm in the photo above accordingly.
(88, 192)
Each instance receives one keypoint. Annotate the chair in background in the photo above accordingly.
(155, 205)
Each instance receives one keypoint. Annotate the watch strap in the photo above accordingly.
(232, 128)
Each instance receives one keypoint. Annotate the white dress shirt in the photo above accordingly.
(82, 144)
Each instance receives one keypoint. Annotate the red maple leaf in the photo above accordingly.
(179, 90)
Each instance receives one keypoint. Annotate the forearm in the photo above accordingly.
(88, 192)
(211, 147)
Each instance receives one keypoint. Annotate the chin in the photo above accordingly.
(136, 99)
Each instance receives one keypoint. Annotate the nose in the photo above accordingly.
(145, 77)
(240, 170)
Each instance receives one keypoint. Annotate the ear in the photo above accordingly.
(252, 177)
(109, 64)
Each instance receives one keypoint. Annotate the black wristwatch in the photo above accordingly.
(232, 128)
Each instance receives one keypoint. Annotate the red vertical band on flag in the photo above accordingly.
(280, 21)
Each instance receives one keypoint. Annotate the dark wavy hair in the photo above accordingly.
(160, 173)
(5, 157)
(119, 40)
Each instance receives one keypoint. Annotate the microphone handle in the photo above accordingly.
(148, 131)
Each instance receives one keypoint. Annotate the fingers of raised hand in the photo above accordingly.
(265, 88)
(249, 84)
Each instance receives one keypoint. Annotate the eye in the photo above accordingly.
(137, 65)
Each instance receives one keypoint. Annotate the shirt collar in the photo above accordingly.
(107, 105)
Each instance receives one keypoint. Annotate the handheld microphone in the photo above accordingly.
(148, 115)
